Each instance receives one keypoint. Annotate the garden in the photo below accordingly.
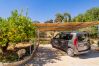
(18, 34)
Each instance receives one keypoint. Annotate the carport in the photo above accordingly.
(67, 26)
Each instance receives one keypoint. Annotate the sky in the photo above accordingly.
(43, 10)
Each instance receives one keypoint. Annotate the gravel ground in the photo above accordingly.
(48, 56)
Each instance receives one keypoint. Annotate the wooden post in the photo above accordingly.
(36, 46)
(98, 31)
(38, 37)
(30, 50)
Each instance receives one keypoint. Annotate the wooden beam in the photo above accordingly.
(68, 26)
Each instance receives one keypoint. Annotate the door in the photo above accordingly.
(64, 40)
(82, 43)
(56, 41)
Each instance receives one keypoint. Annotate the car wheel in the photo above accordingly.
(70, 52)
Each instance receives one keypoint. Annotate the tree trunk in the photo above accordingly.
(4, 49)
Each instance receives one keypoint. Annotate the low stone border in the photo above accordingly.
(22, 62)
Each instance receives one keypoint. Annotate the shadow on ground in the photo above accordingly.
(91, 54)
(47, 55)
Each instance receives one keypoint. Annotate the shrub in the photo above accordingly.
(16, 28)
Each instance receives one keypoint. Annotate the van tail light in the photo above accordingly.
(75, 42)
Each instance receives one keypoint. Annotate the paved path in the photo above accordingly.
(48, 56)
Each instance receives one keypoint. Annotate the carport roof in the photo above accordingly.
(68, 26)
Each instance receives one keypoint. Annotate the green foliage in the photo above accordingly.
(92, 14)
(94, 31)
(16, 28)
(66, 17)
(3, 31)
(79, 18)
(89, 15)
(59, 18)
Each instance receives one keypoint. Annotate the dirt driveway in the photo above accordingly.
(48, 56)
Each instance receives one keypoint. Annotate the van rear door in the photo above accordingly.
(82, 43)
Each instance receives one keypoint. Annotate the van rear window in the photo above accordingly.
(80, 37)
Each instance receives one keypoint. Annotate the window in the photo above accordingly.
(66, 36)
(81, 37)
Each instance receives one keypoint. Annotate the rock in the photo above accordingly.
(21, 53)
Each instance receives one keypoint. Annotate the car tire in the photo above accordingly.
(70, 52)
